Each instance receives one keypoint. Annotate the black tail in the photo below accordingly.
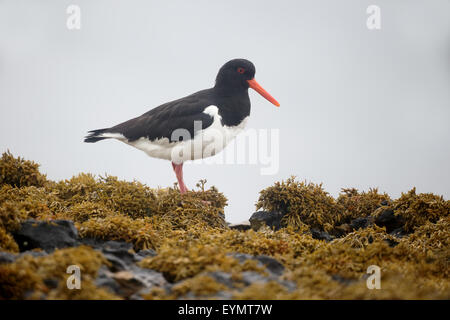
(94, 135)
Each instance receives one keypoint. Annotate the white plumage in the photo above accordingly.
(206, 142)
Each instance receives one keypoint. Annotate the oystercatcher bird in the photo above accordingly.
(194, 127)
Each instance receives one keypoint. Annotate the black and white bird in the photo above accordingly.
(194, 127)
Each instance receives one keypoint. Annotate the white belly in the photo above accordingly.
(206, 143)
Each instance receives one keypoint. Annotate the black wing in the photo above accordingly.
(162, 121)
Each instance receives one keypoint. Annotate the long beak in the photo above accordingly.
(255, 86)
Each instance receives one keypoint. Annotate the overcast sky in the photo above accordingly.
(359, 108)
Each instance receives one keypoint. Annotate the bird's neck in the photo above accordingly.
(234, 105)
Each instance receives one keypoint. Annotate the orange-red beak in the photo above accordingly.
(255, 86)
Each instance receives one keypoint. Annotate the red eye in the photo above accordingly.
(240, 70)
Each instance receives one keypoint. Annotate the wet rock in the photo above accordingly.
(341, 279)
(117, 264)
(105, 279)
(144, 254)
(271, 219)
(321, 235)
(271, 264)
(388, 219)
(34, 254)
(250, 277)
(361, 223)
(149, 278)
(119, 253)
(6, 257)
(92, 242)
(128, 283)
(241, 256)
(116, 247)
(222, 277)
(47, 235)
(223, 295)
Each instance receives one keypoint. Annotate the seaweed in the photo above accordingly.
(179, 259)
(139, 232)
(199, 286)
(418, 209)
(301, 203)
(357, 204)
(7, 242)
(363, 238)
(28, 277)
(19, 172)
(192, 240)
(129, 198)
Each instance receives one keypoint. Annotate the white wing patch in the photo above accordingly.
(117, 136)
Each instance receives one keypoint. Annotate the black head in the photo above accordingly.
(238, 75)
(235, 74)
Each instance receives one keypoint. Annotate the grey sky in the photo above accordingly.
(359, 108)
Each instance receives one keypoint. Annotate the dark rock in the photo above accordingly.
(341, 230)
(222, 277)
(119, 253)
(104, 279)
(342, 280)
(144, 254)
(6, 257)
(241, 257)
(128, 283)
(388, 219)
(243, 226)
(117, 246)
(34, 254)
(47, 235)
(92, 242)
(398, 233)
(223, 295)
(272, 265)
(271, 219)
(51, 283)
(149, 278)
(321, 235)
(361, 223)
(250, 277)
(392, 243)
(117, 264)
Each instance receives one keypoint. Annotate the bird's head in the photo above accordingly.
(239, 74)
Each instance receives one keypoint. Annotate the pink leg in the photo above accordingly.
(178, 168)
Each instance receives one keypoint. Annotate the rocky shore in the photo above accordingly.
(129, 241)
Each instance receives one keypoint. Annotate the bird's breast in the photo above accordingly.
(205, 143)
(218, 131)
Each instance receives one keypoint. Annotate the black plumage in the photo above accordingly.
(229, 95)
